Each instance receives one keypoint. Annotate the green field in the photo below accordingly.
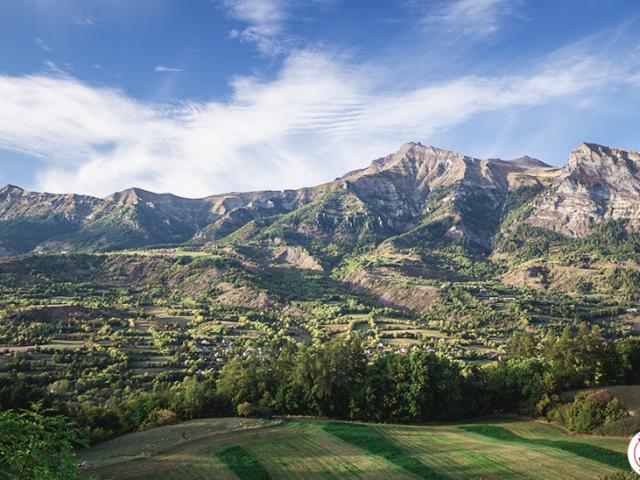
(313, 449)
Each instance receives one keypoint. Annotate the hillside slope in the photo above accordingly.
(393, 231)
(318, 449)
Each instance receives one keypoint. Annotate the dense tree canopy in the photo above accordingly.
(34, 446)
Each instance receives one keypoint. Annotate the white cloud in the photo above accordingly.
(265, 21)
(84, 20)
(54, 69)
(472, 18)
(319, 117)
(165, 69)
(42, 44)
(258, 12)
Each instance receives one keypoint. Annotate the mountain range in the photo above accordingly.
(418, 194)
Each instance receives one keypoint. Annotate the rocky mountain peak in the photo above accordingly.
(416, 160)
(602, 161)
(8, 188)
(596, 184)
(400, 189)
(130, 196)
(428, 161)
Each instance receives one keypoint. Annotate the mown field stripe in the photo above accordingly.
(605, 456)
(308, 452)
(368, 438)
(243, 463)
(452, 453)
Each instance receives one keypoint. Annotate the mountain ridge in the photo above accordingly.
(398, 193)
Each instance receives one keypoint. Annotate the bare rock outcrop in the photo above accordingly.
(597, 183)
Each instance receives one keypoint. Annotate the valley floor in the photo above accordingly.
(499, 448)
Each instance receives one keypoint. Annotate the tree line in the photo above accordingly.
(337, 380)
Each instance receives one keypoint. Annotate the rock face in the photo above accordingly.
(597, 183)
(419, 184)
(27, 218)
(414, 196)
(402, 192)
(297, 257)
(47, 222)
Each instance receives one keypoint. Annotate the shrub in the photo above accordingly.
(591, 410)
(261, 411)
(245, 409)
(548, 405)
(558, 414)
(624, 427)
(160, 417)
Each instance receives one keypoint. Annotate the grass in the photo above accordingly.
(370, 439)
(592, 452)
(401, 341)
(243, 463)
(496, 448)
(145, 444)
(162, 316)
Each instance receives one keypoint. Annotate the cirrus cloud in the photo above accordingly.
(472, 18)
(264, 21)
(319, 117)
(165, 69)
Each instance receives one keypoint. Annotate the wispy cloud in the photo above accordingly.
(84, 20)
(472, 18)
(165, 69)
(42, 44)
(258, 12)
(319, 117)
(54, 69)
(264, 21)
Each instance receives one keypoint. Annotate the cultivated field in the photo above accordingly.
(310, 449)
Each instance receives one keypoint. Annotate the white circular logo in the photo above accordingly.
(633, 452)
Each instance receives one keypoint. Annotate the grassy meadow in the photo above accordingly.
(502, 448)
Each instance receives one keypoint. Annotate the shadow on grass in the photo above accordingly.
(605, 456)
(370, 439)
(243, 463)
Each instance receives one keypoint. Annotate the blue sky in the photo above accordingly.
(206, 96)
